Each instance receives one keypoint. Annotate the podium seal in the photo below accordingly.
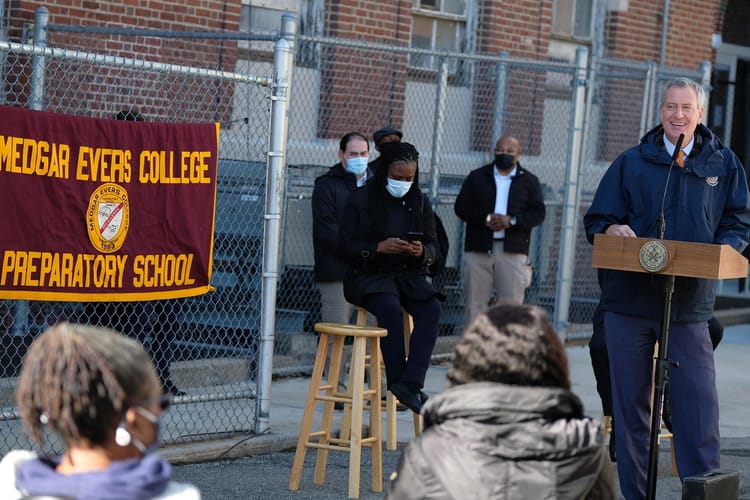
(653, 256)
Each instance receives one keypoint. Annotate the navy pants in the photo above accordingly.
(695, 402)
(386, 308)
(600, 356)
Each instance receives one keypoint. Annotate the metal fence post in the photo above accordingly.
(705, 71)
(283, 66)
(36, 96)
(500, 82)
(570, 215)
(647, 103)
(437, 130)
(36, 101)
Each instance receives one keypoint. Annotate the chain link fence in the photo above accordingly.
(454, 115)
(571, 120)
(206, 348)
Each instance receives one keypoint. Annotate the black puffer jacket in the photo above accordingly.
(329, 198)
(477, 199)
(494, 441)
(370, 272)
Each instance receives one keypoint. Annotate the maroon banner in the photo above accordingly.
(104, 210)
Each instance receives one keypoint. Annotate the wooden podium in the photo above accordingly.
(693, 260)
(669, 258)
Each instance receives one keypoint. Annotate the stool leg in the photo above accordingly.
(375, 431)
(417, 417)
(346, 418)
(390, 422)
(334, 367)
(309, 413)
(355, 447)
(361, 317)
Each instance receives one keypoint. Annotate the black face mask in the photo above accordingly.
(504, 161)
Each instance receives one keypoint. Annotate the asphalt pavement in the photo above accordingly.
(261, 469)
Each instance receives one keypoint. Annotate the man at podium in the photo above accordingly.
(682, 170)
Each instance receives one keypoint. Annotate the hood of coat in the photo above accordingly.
(131, 479)
(515, 422)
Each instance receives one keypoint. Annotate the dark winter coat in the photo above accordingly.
(370, 272)
(477, 199)
(494, 441)
(329, 198)
(705, 202)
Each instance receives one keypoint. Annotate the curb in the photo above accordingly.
(229, 448)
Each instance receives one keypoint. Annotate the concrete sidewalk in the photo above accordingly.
(264, 470)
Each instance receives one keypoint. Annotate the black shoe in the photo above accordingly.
(407, 396)
(423, 397)
(168, 387)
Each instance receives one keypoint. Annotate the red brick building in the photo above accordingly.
(689, 32)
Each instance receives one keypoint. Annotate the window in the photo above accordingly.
(264, 16)
(573, 18)
(437, 25)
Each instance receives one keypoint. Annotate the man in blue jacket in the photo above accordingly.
(706, 201)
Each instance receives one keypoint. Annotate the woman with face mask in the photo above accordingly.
(99, 393)
(388, 238)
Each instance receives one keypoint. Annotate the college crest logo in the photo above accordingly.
(712, 181)
(108, 217)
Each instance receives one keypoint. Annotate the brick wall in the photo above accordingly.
(635, 34)
(163, 99)
(520, 28)
(360, 89)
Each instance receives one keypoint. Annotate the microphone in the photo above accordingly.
(660, 222)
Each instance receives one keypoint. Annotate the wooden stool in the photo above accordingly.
(390, 400)
(354, 398)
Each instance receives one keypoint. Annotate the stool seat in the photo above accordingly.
(348, 330)
(356, 400)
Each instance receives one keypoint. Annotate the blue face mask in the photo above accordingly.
(356, 165)
(154, 446)
(398, 189)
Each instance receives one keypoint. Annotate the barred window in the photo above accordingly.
(262, 17)
(573, 18)
(437, 25)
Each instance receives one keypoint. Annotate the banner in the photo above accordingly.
(104, 210)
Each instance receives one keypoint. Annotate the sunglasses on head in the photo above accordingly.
(164, 401)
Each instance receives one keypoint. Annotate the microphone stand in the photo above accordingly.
(662, 364)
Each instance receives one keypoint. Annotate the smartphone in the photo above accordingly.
(414, 236)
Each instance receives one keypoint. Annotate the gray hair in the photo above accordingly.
(684, 83)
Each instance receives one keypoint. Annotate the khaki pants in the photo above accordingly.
(509, 274)
(333, 306)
